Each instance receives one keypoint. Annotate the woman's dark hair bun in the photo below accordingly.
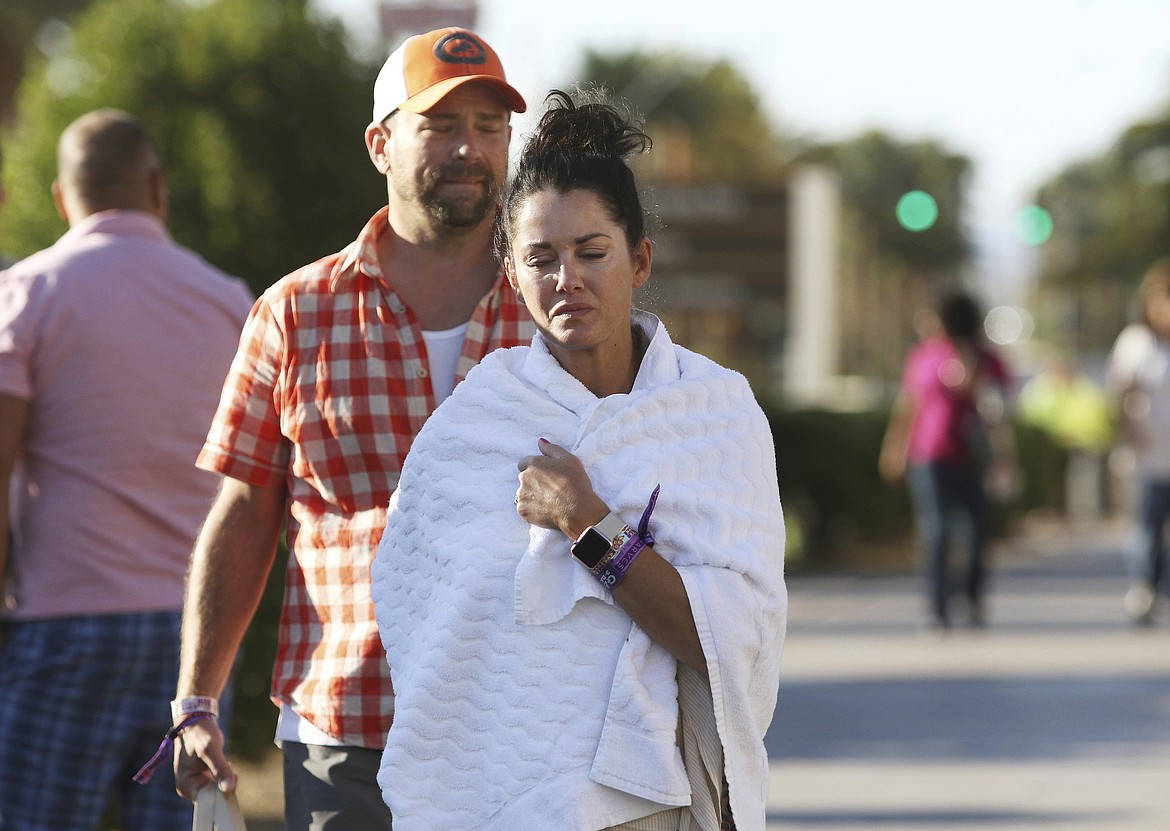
(587, 125)
(582, 142)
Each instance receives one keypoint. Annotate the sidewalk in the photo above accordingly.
(1056, 716)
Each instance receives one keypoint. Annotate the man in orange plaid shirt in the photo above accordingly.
(339, 365)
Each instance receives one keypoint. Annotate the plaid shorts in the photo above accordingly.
(84, 702)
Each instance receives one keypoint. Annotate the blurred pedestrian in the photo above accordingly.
(340, 364)
(1077, 415)
(949, 437)
(1139, 370)
(114, 343)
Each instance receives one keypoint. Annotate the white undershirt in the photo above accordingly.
(290, 727)
(443, 351)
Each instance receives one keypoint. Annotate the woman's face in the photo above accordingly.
(574, 268)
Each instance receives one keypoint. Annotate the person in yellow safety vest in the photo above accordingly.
(1069, 406)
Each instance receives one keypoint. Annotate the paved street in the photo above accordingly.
(1056, 716)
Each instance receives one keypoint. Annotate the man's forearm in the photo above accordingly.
(229, 568)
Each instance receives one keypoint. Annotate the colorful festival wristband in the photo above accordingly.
(619, 542)
(613, 567)
(164, 750)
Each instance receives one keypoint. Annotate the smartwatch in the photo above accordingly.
(596, 540)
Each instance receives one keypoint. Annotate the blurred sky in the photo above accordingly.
(1022, 87)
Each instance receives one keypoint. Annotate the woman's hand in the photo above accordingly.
(892, 464)
(556, 492)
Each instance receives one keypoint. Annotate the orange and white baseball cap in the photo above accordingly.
(426, 67)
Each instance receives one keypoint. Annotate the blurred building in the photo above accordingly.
(399, 19)
(721, 272)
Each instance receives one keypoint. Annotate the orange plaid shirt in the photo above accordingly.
(327, 391)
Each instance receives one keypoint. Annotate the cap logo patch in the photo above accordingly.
(459, 47)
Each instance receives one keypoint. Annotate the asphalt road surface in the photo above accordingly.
(1054, 716)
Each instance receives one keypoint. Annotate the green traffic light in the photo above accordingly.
(916, 211)
(1033, 225)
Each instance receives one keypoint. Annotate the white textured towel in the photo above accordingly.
(523, 696)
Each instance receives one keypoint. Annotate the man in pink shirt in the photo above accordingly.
(114, 343)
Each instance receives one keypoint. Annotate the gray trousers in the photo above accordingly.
(332, 789)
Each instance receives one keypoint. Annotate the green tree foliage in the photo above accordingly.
(19, 20)
(1111, 218)
(876, 171)
(257, 108)
(705, 118)
(1115, 209)
(258, 111)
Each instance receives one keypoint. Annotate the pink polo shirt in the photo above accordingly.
(120, 340)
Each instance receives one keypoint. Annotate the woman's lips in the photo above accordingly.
(569, 309)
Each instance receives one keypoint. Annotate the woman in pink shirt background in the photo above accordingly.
(948, 438)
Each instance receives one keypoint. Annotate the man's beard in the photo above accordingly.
(459, 211)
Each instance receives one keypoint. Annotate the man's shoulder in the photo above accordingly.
(317, 277)
(36, 268)
(193, 260)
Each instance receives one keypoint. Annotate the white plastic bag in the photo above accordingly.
(216, 811)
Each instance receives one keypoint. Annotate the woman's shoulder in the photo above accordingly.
(720, 382)
(506, 359)
(694, 366)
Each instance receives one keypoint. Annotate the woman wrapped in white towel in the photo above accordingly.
(580, 588)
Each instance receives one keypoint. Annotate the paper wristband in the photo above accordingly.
(194, 704)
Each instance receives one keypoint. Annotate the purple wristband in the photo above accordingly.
(612, 570)
(168, 742)
(619, 543)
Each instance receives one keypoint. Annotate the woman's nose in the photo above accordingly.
(568, 278)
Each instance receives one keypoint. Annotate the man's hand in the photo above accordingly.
(200, 760)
